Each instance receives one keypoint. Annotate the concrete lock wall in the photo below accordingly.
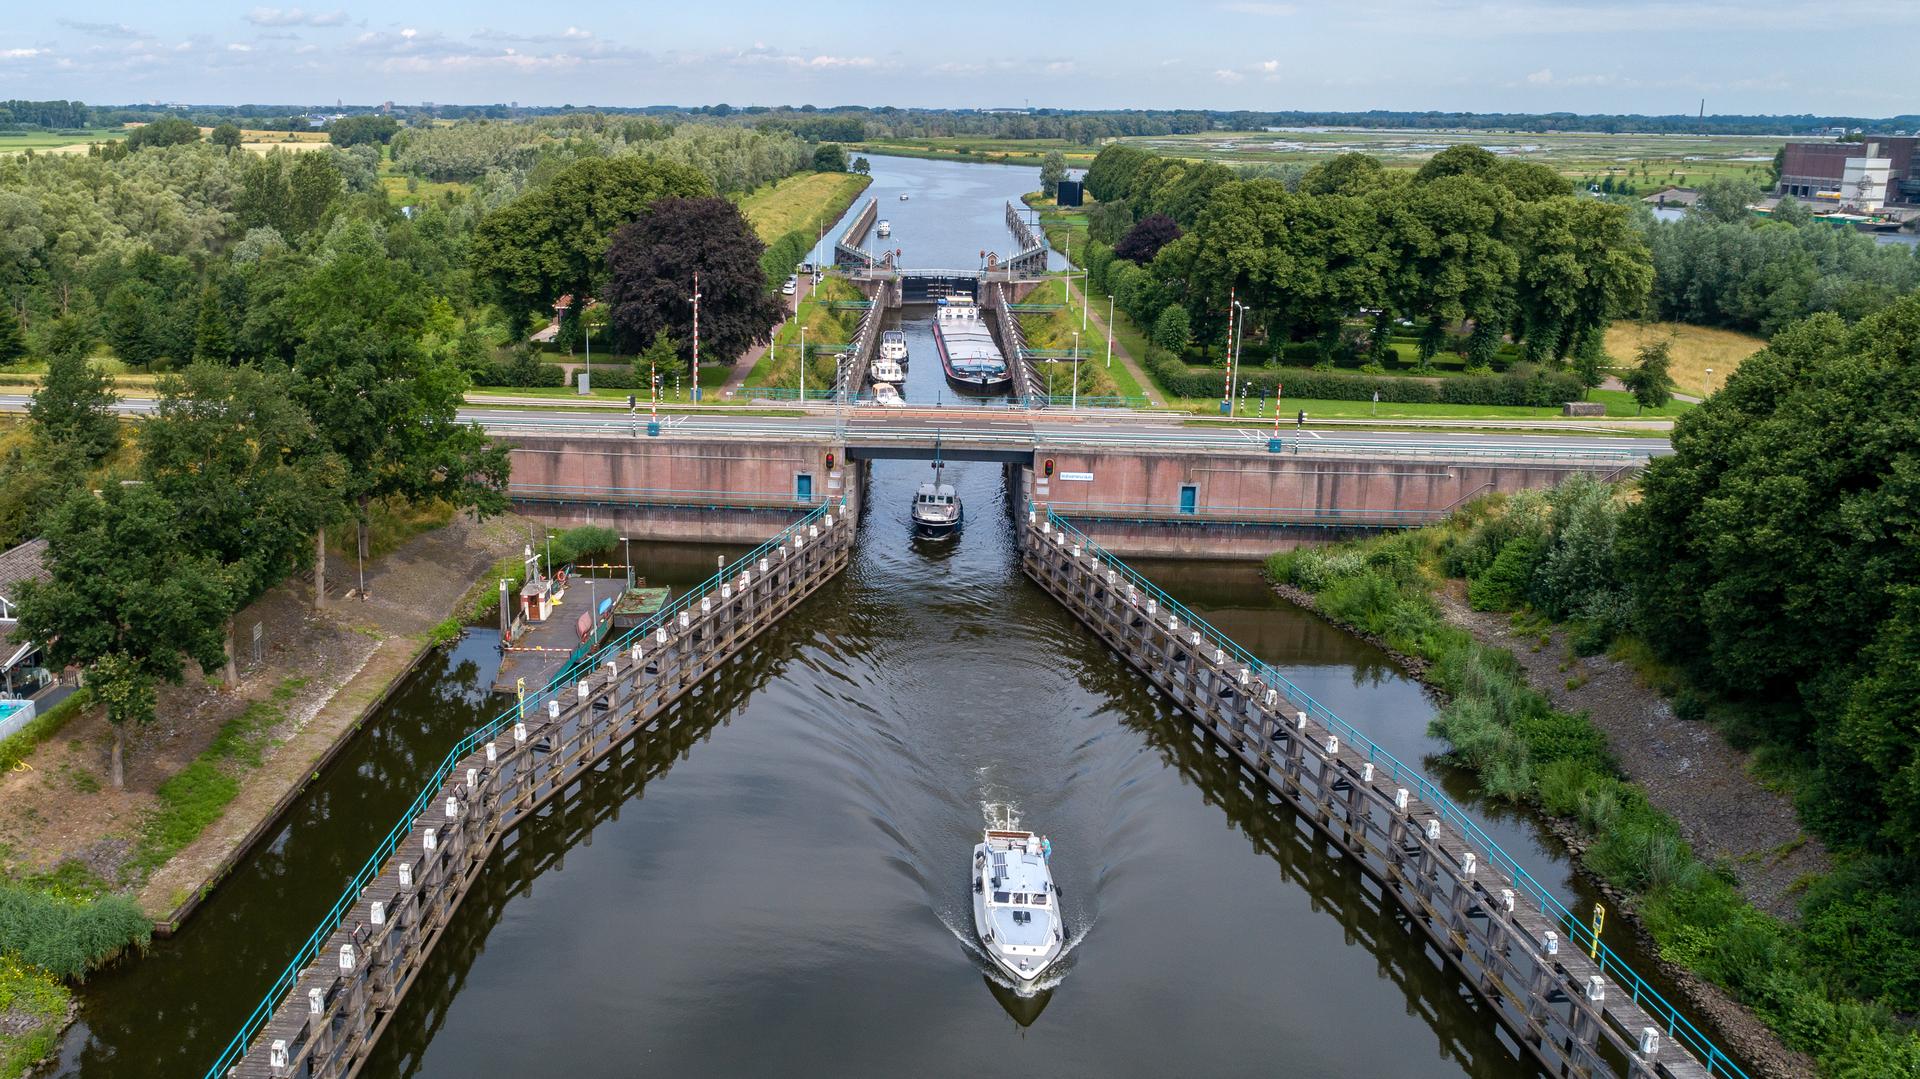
(658, 488)
(1211, 505)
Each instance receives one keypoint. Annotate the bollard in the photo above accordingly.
(453, 808)
(1400, 798)
(473, 779)
(406, 875)
(684, 620)
(1506, 899)
(1153, 605)
(1273, 696)
(520, 730)
(493, 754)
(660, 635)
(726, 591)
(1433, 829)
(1649, 1041)
(346, 959)
(316, 1001)
(1596, 988)
(829, 520)
(706, 605)
(1469, 862)
(1246, 675)
(813, 532)
(277, 1056)
(1173, 624)
(1366, 772)
(1219, 656)
(634, 652)
(430, 840)
(378, 913)
(1300, 721)
(580, 689)
(1551, 942)
(1333, 746)
(763, 566)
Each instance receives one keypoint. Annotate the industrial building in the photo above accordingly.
(1863, 177)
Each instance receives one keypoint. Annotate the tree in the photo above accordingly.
(1173, 330)
(212, 336)
(650, 268)
(1650, 381)
(382, 402)
(1346, 174)
(1590, 362)
(73, 411)
(226, 136)
(166, 131)
(1053, 169)
(829, 157)
(1727, 200)
(245, 466)
(13, 342)
(1462, 160)
(860, 166)
(127, 598)
(1145, 239)
(661, 358)
(362, 130)
(552, 240)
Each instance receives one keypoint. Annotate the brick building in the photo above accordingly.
(1880, 171)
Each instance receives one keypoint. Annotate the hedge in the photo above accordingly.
(1523, 385)
(782, 255)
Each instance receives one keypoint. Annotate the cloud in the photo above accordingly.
(1228, 75)
(117, 30)
(22, 54)
(1542, 77)
(293, 16)
(1270, 10)
(237, 47)
(570, 34)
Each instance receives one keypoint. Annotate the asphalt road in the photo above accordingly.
(1012, 429)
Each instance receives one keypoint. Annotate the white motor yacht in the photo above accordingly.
(886, 370)
(886, 396)
(1016, 909)
(893, 345)
(885, 228)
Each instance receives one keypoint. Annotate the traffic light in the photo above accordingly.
(1302, 421)
(829, 462)
(1049, 468)
(631, 402)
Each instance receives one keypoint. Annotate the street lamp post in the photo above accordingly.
(1233, 356)
(1109, 331)
(1073, 403)
(803, 365)
(549, 556)
(626, 547)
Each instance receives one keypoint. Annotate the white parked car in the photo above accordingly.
(792, 284)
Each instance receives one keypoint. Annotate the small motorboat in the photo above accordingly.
(886, 396)
(1016, 908)
(885, 228)
(886, 370)
(936, 506)
(903, 196)
(893, 346)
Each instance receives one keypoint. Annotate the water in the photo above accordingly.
(779, 886)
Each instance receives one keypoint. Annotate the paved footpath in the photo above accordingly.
(1127, 360)
(743, 366)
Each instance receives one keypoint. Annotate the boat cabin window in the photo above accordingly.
(1003, 897)
(1039, 900)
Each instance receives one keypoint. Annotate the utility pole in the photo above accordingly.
(803, 364)
(1226, 397)
(696, 329)
(1109, 331)
(1239, 335)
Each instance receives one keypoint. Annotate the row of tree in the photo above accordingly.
(1504, 245)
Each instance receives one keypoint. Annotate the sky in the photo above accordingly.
(1587, 56)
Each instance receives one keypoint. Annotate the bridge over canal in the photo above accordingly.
(1565, 999)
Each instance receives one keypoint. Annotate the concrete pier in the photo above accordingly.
(1566, 998)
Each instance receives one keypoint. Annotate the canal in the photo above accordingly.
(780, 886)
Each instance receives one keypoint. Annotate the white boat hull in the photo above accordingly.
(1023, 951)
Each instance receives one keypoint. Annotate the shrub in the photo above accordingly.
(1504, 584)
(65, 937)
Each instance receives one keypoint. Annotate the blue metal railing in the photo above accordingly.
(370, 870)
(1578, 933)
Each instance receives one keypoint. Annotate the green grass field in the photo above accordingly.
(1648, 161)
(804, 199)
(57, 141)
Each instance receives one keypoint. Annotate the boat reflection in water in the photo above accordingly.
(1024, 1007)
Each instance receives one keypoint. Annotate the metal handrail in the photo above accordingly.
(1203, 513)
(1577, 931)
(370, 870)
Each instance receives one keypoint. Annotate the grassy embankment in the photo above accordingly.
(1066, 229)
(825, 325)
(1055, 330)
(1525, 751)
(979, 150)
(807, 201)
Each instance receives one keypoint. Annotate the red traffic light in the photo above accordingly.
(1049, 468)
(829, 460)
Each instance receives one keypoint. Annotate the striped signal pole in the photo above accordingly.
(1226, 399)
(696, 326)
